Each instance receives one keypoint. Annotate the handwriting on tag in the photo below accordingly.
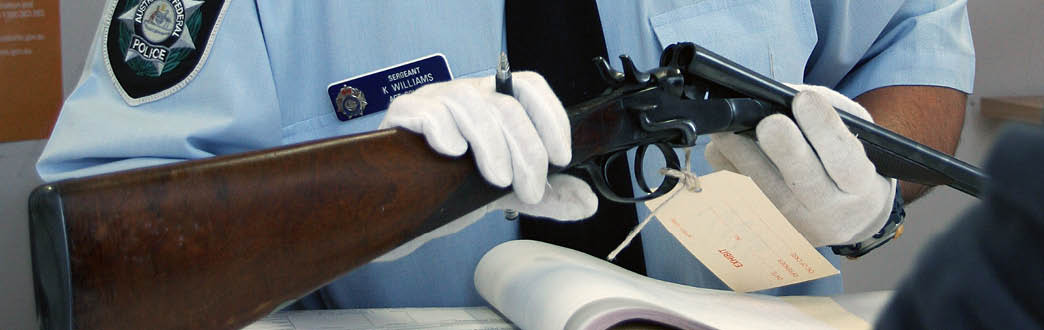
(736, 232)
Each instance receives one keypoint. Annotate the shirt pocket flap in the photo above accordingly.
(773, 38)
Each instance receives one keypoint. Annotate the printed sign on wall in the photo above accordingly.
(30, 68)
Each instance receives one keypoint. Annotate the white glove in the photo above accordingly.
(825, 185)
(511, 138)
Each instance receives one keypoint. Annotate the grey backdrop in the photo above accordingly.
(1008, 41)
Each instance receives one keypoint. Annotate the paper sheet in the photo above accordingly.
(462, 318)
(542, 286)
(734, 230)
(827, 310)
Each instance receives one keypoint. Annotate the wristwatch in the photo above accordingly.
(893, 228)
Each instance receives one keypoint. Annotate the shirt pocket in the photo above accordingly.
(774, 38)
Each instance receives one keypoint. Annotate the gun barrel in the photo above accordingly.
(894, 155)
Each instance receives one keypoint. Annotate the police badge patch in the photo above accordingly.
(153, 48)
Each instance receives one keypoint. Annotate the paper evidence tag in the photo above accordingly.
(736, 232)
(372, 92)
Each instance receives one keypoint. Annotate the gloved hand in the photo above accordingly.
(512, 139)
(825, 185)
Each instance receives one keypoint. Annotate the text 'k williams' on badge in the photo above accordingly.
(372, 92)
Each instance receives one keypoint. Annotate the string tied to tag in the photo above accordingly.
(688, 179)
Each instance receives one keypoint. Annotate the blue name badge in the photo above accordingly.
(372, 92)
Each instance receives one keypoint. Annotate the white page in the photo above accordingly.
(540, 286)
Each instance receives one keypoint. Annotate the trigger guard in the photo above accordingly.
(669, 156)
(669, 182)
(597, 173)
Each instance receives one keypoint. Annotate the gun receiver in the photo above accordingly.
(695, 92)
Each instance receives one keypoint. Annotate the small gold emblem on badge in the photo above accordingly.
(351, 102)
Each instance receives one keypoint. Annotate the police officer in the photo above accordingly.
(169, 80)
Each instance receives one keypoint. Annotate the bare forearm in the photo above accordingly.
(930, 115)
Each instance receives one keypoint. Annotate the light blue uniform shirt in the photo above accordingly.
(264, 85)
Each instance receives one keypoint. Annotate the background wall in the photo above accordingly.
(1008, 40)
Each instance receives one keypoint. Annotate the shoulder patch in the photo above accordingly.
(153, 48)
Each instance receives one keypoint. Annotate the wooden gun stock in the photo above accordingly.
(220, 242)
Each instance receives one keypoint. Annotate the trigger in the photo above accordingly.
(596, 171)
(639, 173)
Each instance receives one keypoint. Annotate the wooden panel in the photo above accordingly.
(30, 69)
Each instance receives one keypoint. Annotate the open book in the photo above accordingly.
(542, 286)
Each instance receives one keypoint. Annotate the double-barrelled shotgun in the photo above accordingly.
(218, 243)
